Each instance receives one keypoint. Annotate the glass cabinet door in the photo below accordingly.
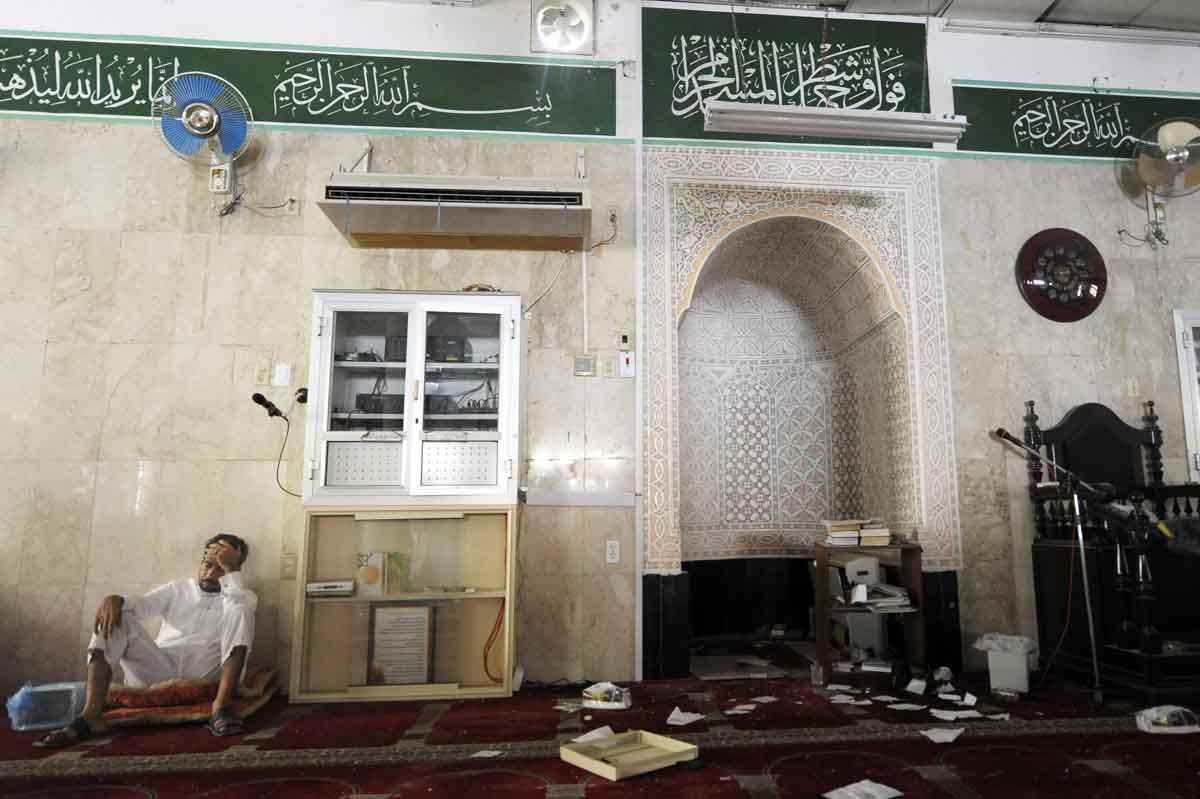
(460, 439)
(366, 408)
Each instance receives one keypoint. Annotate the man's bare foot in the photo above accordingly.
(78, 730)
(226, 721)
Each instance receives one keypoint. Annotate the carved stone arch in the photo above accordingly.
(703, 255)
(695, 197)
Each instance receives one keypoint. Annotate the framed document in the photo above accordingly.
(400, 645)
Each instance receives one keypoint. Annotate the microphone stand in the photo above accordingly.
(1074, 482)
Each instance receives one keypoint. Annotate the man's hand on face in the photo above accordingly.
(225, 555)
(108, 617)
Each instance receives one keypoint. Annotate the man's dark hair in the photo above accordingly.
(235, 542)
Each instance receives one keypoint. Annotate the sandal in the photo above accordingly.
(225, 722)
(63, 737)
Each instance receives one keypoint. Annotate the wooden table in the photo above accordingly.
(906, 558)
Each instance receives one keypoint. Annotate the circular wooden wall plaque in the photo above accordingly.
(1061, 275)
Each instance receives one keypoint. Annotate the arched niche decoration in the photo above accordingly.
(793, 390)
(693, 198)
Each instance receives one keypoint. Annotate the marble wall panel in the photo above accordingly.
(138, 320)
(48, 619)
(58, 498)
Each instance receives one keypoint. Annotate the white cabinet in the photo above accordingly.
(412, 396)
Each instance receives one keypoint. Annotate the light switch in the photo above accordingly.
(281, 373)
(627, 364)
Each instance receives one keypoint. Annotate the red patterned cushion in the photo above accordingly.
(186, 692)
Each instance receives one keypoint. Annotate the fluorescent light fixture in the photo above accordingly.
(1061, 30)
(723, 116)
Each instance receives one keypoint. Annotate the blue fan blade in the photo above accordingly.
(178, 138)
(233, 131)
(192, 88)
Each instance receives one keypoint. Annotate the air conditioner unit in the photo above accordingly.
(407, 211)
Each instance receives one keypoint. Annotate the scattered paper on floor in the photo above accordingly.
(835, 686)
(747, 708)
(942, 735)
(906, 706)
(998, 716)
(736, 712)
(762, 700)
(863, 789)
(950, 697)
(594, 735)
(861, 702)
(680, 718)
(885, 698)
(916, 687)
(969, 699)
(841, 699)
(488, 753)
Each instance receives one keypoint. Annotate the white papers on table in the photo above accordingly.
(942, 735)
(594, 735)
(680, 718)
(906, 706)
(488, 753)
(916, 687)
(863, 789)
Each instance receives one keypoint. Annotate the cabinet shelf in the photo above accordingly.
(370, 365)
(496, 593)
(366, 416)
(438, 366)
(462, 416)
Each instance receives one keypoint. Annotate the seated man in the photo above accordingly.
(207, 630)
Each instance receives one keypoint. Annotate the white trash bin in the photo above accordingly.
(1008, 660)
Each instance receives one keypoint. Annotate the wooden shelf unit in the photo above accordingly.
(450, 545)
(906, 559)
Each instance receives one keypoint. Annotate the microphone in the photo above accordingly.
(1000, 432)
(259, 399)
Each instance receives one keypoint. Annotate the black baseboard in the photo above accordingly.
(665, 630)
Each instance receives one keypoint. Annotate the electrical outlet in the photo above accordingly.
(628, 369)
(623, 342)
(612, 552)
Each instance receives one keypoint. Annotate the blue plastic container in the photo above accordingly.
(45, 707)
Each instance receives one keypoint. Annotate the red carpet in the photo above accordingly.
(798, 746)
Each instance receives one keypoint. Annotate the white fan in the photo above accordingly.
(563, 26)
(1165, 165)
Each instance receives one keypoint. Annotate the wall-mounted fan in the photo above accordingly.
(563, 26)
(204, 119)
(1165, 165)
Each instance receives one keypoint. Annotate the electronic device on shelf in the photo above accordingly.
(369, 355)
(395, 348)
(329, 588)
(440, 403)
(449, 349)
(379, 403)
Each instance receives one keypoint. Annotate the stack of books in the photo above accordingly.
(875, 534)
(842, 532)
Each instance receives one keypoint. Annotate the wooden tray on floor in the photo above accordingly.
(628, 754)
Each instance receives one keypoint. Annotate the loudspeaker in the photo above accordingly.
(665, 629)
(943, 633)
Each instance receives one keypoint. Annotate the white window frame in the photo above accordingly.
(1186, 319)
